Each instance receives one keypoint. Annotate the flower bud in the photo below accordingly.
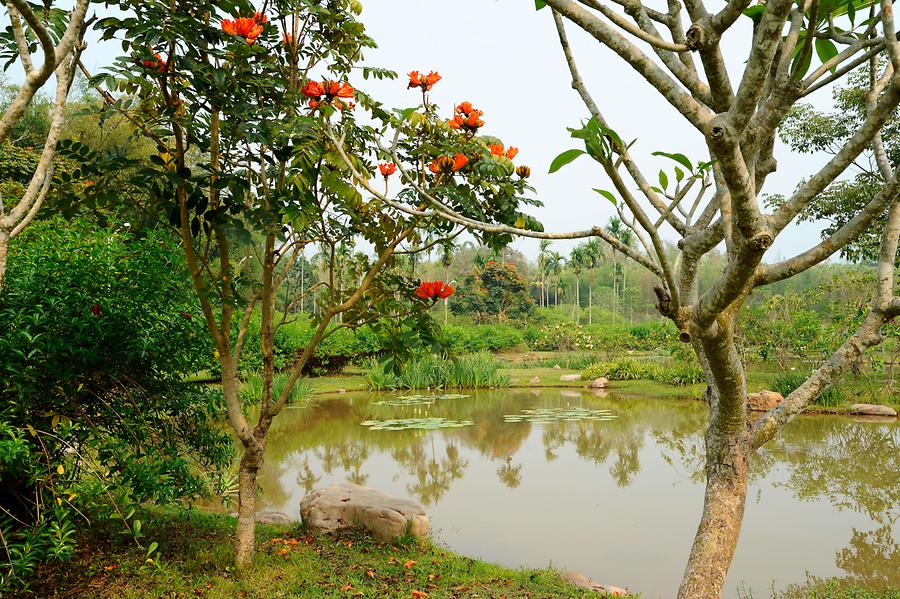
(523, 171)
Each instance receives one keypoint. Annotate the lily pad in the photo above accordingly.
(548, 415)
(414, 423)
(417, 400)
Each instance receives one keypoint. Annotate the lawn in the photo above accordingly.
(195, 557)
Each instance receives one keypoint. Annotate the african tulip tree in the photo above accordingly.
(245, 106)
(715, 201)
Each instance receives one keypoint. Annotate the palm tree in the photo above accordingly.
(577, 260)
(543, 254)
(620, 231)
(555, 262)
(593, 253)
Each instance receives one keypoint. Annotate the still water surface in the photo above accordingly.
(618, 499)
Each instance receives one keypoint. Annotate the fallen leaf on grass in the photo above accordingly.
(409, 564)
(347, 587)
(370, 573)
(419, 594)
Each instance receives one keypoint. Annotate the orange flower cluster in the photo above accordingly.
(466, 118)
(448, 164)
(248, 28)
(157, 64)
(387, 169)
(434, 290)
(497, 150)
(426, 82)
(335, 93)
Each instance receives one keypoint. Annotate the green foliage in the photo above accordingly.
(786, 382)
(481, 338)
(428, 371)
(97, 330)
(494, 291)
(678, 375)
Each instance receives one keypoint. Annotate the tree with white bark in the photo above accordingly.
(48, 42)
(679, 53)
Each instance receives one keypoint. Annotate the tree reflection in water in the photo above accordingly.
(851, 465)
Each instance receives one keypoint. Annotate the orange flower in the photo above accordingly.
(511, 152)
(157, 64)
(431, 290)
(496, 149)
(387, 169)
(287, 39)
(426, 82)
(329, 92)
(246, 27)
(466, 118)
(313, 89)
(448, 164)
(261, 18)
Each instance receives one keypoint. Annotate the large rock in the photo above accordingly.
(764, 400)
(581, 581)
(569, 378)
(600, 383)
(535, 380)
(346, 505)
(871, 409)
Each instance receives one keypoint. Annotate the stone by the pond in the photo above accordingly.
(535, 380)
(346, 505)
(764, 400)
(600, 383)
(568, 378)
(871, 409)
(269, 517)
(557, 367)
(574, 577)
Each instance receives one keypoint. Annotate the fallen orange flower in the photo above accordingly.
(412, 562)
(246, 27)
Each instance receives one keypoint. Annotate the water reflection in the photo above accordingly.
(607, 497)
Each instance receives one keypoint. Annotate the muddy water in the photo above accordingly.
(607, 485)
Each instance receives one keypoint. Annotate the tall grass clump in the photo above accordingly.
(252, 388)
(426, 371)
(786, 382)
(679, 375)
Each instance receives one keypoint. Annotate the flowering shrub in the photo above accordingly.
(562, 337)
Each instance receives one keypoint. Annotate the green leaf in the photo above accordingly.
(679, 158)
(608, 195)
(137, 528)
(539, 4)
(564, 159)
(152, 548)
(755, 12)
(826, 50)
(663, 179)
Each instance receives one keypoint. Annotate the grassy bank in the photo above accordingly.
(196, 561)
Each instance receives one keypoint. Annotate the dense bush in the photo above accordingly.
(652, 335)
(481, 338)
(428, 371)
(629, 370)
(97, 330)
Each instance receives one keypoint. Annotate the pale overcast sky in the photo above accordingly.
(505, 58)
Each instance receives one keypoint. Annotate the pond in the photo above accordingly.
(611, 486)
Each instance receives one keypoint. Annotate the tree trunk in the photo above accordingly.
(4, 252)
(245, 538)
(720, 525)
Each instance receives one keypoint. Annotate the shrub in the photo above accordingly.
(98, 328)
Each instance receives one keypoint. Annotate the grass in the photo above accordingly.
(196, 556)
